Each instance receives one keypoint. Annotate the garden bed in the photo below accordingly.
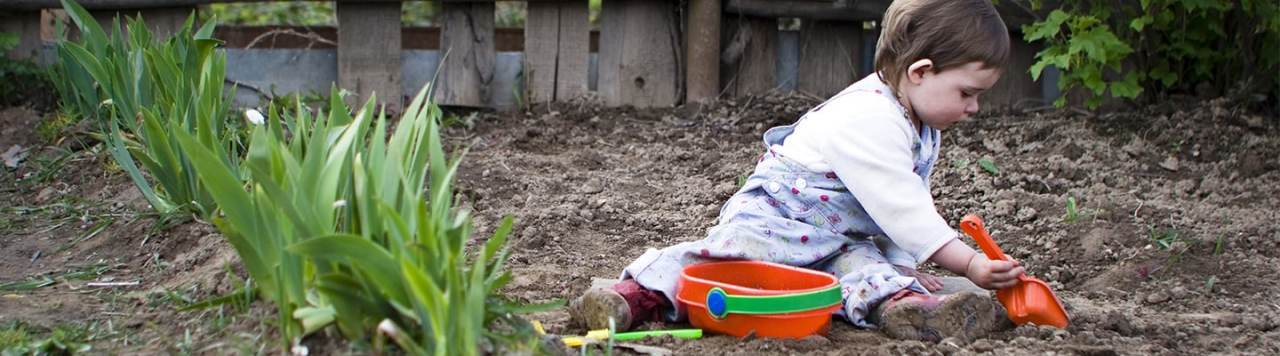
(1171, 246)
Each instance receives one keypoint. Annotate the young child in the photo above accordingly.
(851, 171)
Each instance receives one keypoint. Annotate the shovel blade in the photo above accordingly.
(1031, 301)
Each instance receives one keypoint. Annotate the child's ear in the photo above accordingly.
(917, 70)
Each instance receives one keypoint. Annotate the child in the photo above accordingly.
(853, 168)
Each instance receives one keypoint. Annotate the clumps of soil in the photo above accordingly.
(1170, 219)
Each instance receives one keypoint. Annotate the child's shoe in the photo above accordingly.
(914, 316)
(628, 303)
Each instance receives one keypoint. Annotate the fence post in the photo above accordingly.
(369, 51)
(466, 35)
(703, 47)
(639, 53)
(26, 24)
(830, 56)
(750, 58)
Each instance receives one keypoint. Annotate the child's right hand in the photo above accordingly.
(991, 274)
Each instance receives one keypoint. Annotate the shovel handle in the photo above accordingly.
(972, 225)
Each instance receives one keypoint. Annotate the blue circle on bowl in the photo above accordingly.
(717, 303)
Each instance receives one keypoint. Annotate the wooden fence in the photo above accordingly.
(651, 53)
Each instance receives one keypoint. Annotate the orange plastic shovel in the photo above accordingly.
(1029, 301)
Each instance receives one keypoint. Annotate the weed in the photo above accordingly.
(18, 338)
(41, 281)
(990, 166)
(1219, 246)
(51, 128)
(960, 163)
(1073, 213)
(1164, 238)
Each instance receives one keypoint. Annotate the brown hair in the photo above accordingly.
(948, 32)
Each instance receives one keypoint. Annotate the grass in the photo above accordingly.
(75, 273)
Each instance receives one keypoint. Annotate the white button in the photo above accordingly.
(774, 187)
(800, 183)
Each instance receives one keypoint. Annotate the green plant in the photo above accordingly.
(18, 338)
(1164, 238)
(1073, 213)
(990, 166)
(1126, 48)
(142, 92)
(340, 225)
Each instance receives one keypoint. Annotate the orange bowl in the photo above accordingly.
(773, 300)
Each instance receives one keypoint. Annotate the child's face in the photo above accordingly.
(940, 99)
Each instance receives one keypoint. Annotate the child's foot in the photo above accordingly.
(594, 308)
(627, 302)
(914, 316)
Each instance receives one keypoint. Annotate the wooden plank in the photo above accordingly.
(838, 10)
(574, 50)
(541, 43)
(467, 38)
(138, 4)
(26, 24)
(830, 56)
(750, 55)
(638, 53)
(703, 47)
(369, 52)
(1015, 88)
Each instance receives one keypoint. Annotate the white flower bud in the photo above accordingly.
(254, 117)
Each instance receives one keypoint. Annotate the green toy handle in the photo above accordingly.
(679, 333)
(721, 304)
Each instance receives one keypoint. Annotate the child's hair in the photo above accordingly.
(948, 32)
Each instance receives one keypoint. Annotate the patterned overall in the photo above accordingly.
(787, 214)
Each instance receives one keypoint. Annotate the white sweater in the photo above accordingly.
(865, 137)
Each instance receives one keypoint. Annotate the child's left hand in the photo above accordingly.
(930, 282)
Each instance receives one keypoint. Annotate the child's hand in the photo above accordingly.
(991, 274)
(930, 282)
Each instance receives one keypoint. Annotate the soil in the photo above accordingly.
(1172, 248)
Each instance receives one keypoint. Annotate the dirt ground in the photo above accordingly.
(1172, 248)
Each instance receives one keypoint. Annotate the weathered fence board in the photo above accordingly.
(830, 56)
(369, 51)
(837, 10)
(639, 53)
(161, 21)
(467, 40)
(541, 41)
(557, 41)
(750, 55)
(573, 50)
